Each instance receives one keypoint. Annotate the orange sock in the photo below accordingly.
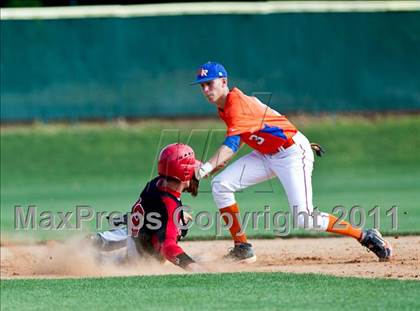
(233, 210)
(343, 227)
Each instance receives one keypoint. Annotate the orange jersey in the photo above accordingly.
(259, 126)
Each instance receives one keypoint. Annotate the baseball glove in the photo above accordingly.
(319, 151)
(193, 188)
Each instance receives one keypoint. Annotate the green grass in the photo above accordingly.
(56, 167)
(239, 291)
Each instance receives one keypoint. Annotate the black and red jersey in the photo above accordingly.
(154, 222)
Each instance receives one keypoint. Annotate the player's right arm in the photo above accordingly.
(225, 152)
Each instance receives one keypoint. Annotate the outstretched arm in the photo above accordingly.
(169, 247)
(221, 157)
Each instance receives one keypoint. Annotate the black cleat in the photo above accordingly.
(373, 240)
(242, 252)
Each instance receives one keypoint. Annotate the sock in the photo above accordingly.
(233, 210)
(343, 227)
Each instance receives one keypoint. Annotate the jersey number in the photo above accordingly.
(137, 218)
(260, 140)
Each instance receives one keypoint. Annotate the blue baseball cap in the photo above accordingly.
(210, 71)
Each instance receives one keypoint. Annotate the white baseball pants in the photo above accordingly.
(118, 238)
(292, 166)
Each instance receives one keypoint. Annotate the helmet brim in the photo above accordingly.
(198, 81)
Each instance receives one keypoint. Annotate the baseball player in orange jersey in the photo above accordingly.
(280, 150)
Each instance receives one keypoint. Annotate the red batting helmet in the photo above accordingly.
(177, 161)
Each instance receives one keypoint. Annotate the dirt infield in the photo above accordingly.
(334, 256)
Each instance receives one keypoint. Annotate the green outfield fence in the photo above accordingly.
(78, 63)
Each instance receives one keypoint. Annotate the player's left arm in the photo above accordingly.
(169, 247)
(223, 155)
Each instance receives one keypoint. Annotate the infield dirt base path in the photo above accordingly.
(333, 256)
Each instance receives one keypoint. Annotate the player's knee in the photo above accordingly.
(221, 188)
(223, 192)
